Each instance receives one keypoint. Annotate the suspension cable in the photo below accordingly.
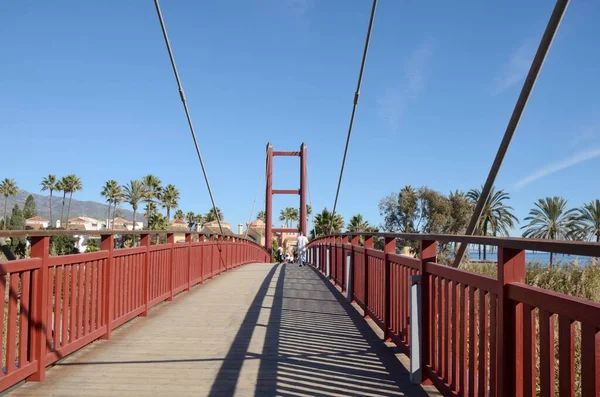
(187, 112)
(534, 71)
(356, 95)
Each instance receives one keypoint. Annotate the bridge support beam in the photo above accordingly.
(303, 222)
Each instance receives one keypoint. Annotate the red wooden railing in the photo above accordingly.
(480, 335)
(54, 306)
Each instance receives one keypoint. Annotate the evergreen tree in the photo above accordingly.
(29, 209)
(17, 222)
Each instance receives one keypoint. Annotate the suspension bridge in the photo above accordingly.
(211, 314)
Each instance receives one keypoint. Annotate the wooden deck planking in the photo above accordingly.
(261, 329)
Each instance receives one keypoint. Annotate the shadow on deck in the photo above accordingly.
(266, 330)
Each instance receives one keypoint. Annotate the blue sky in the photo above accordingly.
(86, 88)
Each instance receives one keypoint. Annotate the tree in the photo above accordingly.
(496, 217)
(550, 220)
(288, 214)
(17, 222)
(324, 222)
(190, 217)
(401, 211)
(153, 190)
(357, 224)
(261, 216)
(73, 185)
(179, 214)
(150, 210)
(113, 194)
(61, 186)
(49, 183)
(134, 193)
(8, 187)
(211, 215)
(169, 199)
(587, 226)
(158, 221)
(29, 209)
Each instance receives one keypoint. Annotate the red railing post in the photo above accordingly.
(202, 257)
(107, 243)
(40, 248)
(342, 265)
(509, 353)
(188, 242)
(428, 254)
(354, 243)
(389, 248)
(171, 241)
(145, 242)
(368, 244)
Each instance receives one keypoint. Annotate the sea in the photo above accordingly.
(543, 258)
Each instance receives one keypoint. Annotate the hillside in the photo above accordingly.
(78, 208)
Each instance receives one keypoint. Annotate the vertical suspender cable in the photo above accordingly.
(534, 71)
(187, 112)
(356, 95)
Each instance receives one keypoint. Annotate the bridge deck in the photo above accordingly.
(259, 330)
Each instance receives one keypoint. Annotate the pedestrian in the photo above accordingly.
(279, 255)
(302, 242)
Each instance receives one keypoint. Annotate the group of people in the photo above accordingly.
(300, 254)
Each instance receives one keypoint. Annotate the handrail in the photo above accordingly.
(109, 232)
(583, 248)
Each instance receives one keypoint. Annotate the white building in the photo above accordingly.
(36, 223)
(85, 223)
(124, 224)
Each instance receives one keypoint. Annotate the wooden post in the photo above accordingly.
(342, 266)
(354, 243)
(145, 242)
(107, 243)
(171, 241)
(202, 257)
(389, 248)
(40, 248)
(368, 244)
(509, 354)
(188, 242)
(428, 254)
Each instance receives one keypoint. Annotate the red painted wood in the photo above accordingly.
(472, 345)
(453, 380)
(482, 372)
(107, 244)
(511, 269)
(24, 318)
(57, 307)
(73, 304)
(546, 353)
(427, 254)
(40, 249)
(590, 361)
(2, 293)
(11, 331)
(493, 344)
(566, 357)
(94, 297)
(464, 330)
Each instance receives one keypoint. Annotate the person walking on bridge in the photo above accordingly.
(302, 242)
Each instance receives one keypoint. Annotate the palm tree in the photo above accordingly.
(169, 197)
(190, 217)
(61, 186)
(357, 224)
(549, 220)
(134, 193)
(153, 190)
(179, 214)
(288, 214)
(587, 226)
(324, 224)
(150, 210)
(211, 216)
(199, 220)
(110, 191)
(8, 187)
(49, 183)
(73, 185)
(496, 217)
(261, 216)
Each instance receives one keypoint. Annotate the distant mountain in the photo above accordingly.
(78, 208)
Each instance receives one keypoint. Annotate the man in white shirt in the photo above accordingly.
(302, 242)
